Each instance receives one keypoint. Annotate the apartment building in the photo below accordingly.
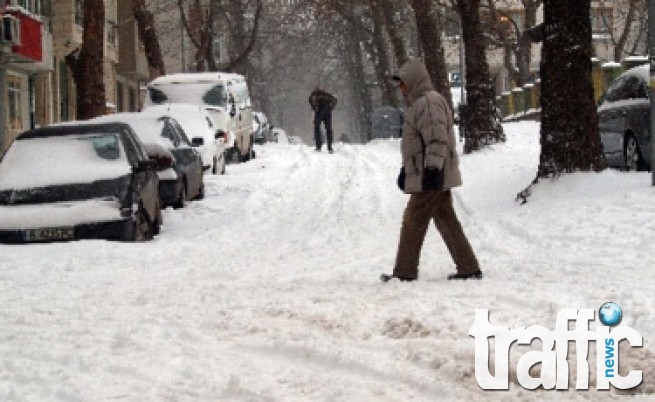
(36, 84)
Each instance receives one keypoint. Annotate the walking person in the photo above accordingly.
(322, 103)
(430, 169)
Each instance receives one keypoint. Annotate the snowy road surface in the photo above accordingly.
(268, 289)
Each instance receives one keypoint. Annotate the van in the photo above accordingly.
(225, 96)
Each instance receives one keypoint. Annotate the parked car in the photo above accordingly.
(78, 181)
(624, 121)
(200, 127)
(261, 128)
(225, 96)
(166, 132)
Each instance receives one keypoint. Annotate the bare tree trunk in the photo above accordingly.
(430, 37)
(239, 62)
(619, 47)
(570, 140)
(148, 36)
(357, 76)
(481, 129)
(87, 65)
(382, 66)
(397, 42)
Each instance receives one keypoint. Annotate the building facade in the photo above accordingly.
(36, 84)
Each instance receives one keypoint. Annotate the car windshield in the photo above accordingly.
(207, 93)
(60, 160)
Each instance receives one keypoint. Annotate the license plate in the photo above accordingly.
(46, 234)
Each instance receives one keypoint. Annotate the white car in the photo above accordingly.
(225, 96)
(200, 127)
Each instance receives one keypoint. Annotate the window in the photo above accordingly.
(601, 20)
(215, 96)
(31, 6)
(105, 146)
(14, 109)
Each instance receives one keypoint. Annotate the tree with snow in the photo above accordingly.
(570, 140)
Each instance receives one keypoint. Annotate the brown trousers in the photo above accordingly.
(421, 208)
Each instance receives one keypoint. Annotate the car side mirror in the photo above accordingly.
(197, 141)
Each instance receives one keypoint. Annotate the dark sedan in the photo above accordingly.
(78, 181)
(624, 121)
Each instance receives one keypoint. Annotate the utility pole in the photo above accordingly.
(651, 36)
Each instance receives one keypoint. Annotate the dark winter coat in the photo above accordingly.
(428, 139)
(322, 101)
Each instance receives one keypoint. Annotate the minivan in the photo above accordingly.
(224, 95)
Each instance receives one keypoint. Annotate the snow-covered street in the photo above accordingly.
(268, 289)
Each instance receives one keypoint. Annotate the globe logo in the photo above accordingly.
(610, 314)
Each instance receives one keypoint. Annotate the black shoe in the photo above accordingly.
(387, 278)
(465, 276)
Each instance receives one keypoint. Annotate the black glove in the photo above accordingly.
(401, 179)
(432, 179)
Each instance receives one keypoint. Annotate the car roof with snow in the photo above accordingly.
(195, 78)
(194, 119)
(147, 127)
(642, 71)
(73, 127)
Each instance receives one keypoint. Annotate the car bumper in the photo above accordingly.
(113, 230)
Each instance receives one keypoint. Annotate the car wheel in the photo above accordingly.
(181, 201)
(234, 155)
(632, 153)
(251, 152)
(214, 167)
(201, 192)
(159, 220)
(142, 228)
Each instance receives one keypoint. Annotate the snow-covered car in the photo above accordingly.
(166, 132)
(624, 120)
(261, 128)
(201, 129)
(78, 181)
(225, 96)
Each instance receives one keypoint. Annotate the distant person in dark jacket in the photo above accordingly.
(322, 103)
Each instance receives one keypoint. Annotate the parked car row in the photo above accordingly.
(108, 177)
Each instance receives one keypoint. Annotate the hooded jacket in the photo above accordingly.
(428, 139)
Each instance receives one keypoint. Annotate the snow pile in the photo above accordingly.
(268, 288)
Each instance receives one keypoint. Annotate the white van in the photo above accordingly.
(224, 95)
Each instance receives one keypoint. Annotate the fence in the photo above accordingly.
(524, 103)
